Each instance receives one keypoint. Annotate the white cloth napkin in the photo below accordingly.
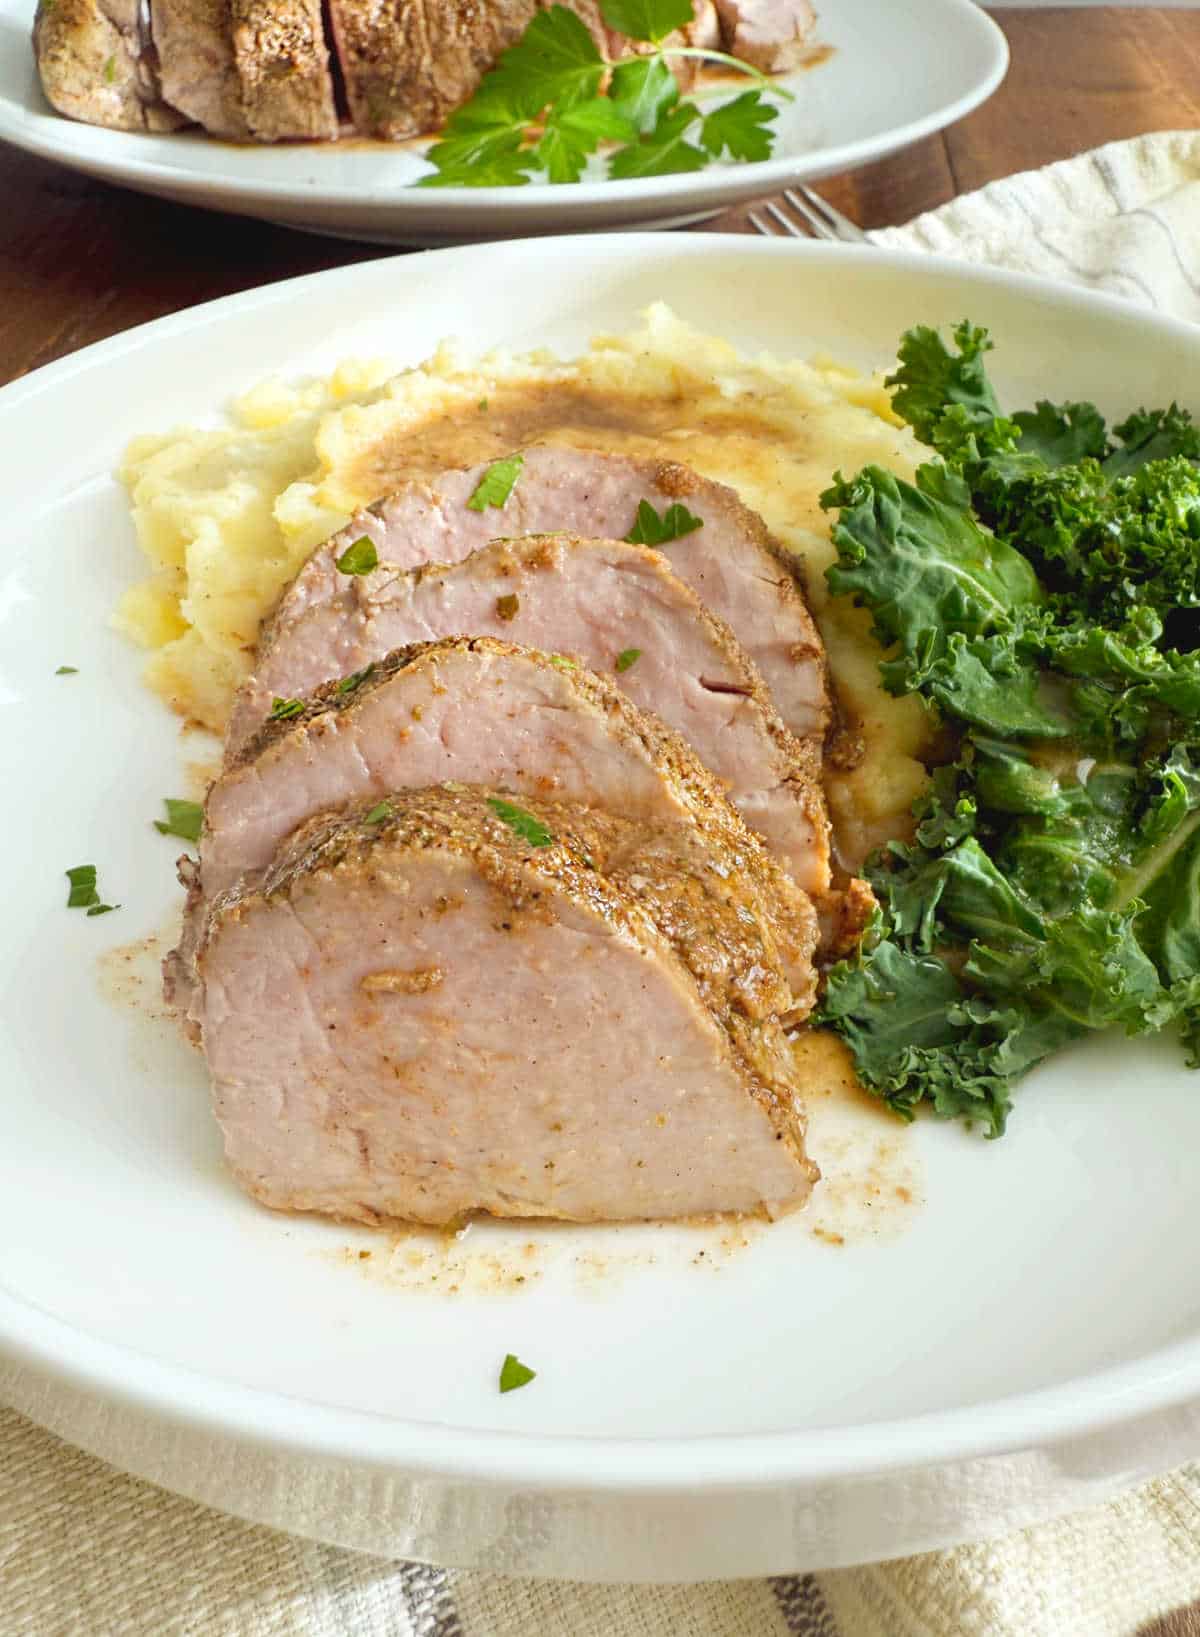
(1124, 218)
(86, 1550)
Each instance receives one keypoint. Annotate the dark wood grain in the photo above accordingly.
(80, 260)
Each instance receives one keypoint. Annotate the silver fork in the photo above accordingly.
(818, 219)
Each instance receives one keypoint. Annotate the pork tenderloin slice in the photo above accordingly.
(408, 63)
(194, 40)
(283, 68)
(426, 1015)
(771, 34)
(97, 66)
(477, 712)
(732, 563)
(592, 600)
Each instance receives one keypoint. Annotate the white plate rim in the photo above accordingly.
(741, 181)
(1167, 1378)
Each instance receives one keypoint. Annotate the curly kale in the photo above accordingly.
(1037, 586)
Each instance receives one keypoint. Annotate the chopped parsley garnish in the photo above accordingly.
(524, 824)
(628, 657)
(508, 607)
(283, 709)
(652, 530)
(382, 810)
(360, 558)
(83, 894)
(67, 670)
(514, 1374)
(497, 483)
(483, 404)
(110, 70)
(561, 662)
(356, 680)
(184, 819)
(543, 110)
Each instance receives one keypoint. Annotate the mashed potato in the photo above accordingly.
(227, 517)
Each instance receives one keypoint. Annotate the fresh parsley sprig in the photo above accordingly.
(543, 110)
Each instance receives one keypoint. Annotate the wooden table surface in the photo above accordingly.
(80, 260)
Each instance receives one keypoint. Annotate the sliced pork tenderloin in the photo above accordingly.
(407, 64)
(599, 602)
(771, 34)
(97, 65)
(422, 1013)
(476, 712)
(283, 68)
(732, 563)
(194, 40)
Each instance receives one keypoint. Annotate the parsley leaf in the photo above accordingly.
(514, 1374)
(67, 670)
(646, 19)
(554, 61)
(524, 824)
(282, 710)
(640, 89)
(652, 530)
(570, 135)
(184, 819)
(360, 558)
(663, 151)
(355, 680)
(83, 894)
(382, 810)
(739, 128)
(496, 484)
(490, 157)
(627, 658)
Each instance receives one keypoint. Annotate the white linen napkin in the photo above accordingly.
(1124, 218)
(86, 1549)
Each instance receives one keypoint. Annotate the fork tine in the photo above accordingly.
(827, 221)
(819, 228)
(759, 226)
(784, 220)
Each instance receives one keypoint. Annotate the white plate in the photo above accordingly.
(898, 72)
(782, 1404)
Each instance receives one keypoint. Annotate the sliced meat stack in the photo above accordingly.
(505, 898)
(476, 712)
(599, 602)
(423, 1013)
(261, 69)
(730, 562)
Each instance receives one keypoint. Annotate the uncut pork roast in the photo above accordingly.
(476, 712)
(429, 1010)
(600, 602)
(731, 562)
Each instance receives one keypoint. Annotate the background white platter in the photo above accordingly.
(778, 1404)
(896, 74)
